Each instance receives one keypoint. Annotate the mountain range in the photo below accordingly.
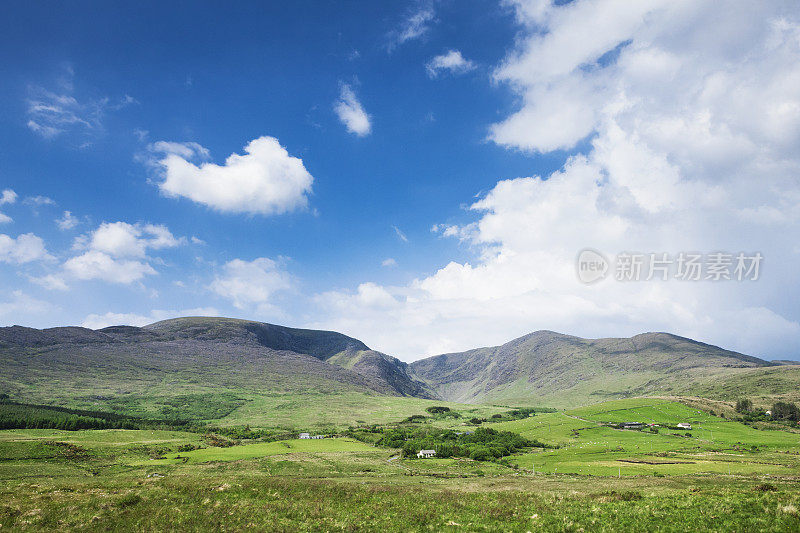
(199, 355)
(564, 369)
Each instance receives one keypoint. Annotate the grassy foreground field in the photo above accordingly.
(598, 479)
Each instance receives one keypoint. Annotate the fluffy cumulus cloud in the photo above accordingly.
(24, 248)
(690, 115)
(115, 252)
(351, 112)
(7, 196)
(120, 239)
(97, 321)
(252, 284)
(452, 62)
(67, 221)
(265, 180)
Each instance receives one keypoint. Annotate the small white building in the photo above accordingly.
(305, 435)
(684, 425)
(426, 454)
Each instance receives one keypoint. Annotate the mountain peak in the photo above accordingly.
(546, 364)
(318, 343)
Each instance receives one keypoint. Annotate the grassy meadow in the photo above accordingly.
(722, 476)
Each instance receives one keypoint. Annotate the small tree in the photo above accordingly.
(785, 411)
(481, 453)
(437, 409)
(744, 405)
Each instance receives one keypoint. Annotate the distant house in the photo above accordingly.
(426, 454)
(318, 436)
(305, 435)
(684, 425)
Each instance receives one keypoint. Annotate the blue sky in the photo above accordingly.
(452, 102)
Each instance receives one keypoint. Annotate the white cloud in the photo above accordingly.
(266, 180)
(51, 282)
(39, 201)
(96, 321)
(53, 113)
(22, 249)
(402, 236)
(692, 112)
(102, 266)
(452, 62)
(251, 283)
(120, 239)
(115, 252)
(415, 25)
(187, 150)
(351, 113)
(8, 196)
(67, 221)
(21, 305)
(389, 262)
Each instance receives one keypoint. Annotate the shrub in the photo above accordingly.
(785, 411)
(129, 500)
(481, 453)
(437, 409)
(744, 405)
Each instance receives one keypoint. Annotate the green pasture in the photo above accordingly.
(265, 449)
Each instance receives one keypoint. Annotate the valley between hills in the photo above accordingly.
(196, 423)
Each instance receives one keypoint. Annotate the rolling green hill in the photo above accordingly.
(547, 368)
(244, 372)
(192, 368)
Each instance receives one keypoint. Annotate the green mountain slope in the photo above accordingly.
(554, 369)
(198, 359)
(234, 370)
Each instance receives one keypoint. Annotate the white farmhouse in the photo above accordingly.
(684, 425)
(426, 454)
(305, 435)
